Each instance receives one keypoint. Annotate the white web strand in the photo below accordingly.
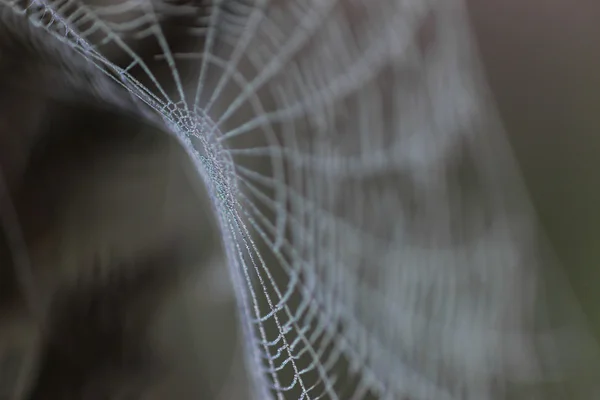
(377, 234)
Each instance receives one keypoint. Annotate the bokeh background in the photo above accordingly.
(542, 62)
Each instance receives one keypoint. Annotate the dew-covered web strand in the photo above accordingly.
(65, 30)
(269, 133)
(308, 292)
(262, 114)
(271, 70)
(208, 48)
(263, 197)
(240, 49)
(251, 248)
(307, 26)
(239, 228)
(263, 284)
(341, 87)
(166, 51)
(239, 170)
(115, 37)
(308, 298)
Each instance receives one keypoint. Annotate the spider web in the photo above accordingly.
(377, 234)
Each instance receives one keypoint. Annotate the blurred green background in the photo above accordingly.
(542, 61)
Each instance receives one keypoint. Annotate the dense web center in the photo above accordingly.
(201, 136)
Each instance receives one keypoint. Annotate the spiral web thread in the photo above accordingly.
(377, 235)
